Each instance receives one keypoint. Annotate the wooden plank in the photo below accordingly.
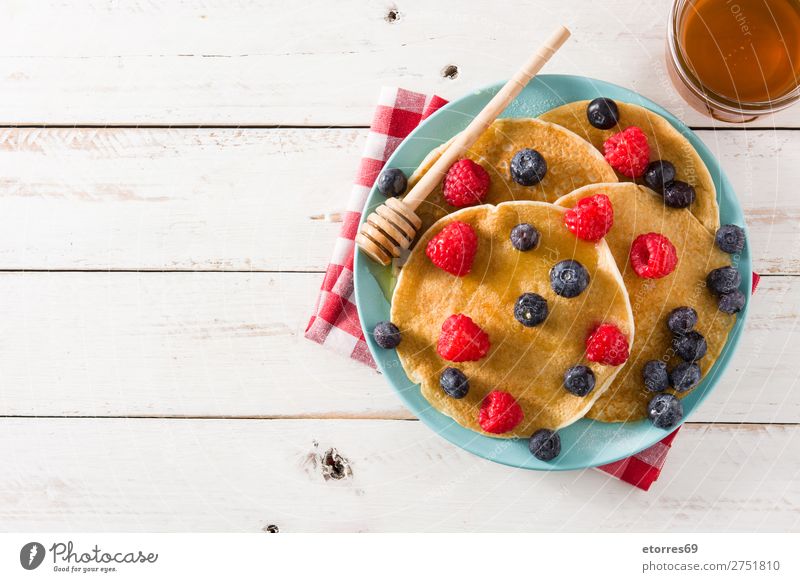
(236, 475)
(224, 345)
(173, 199)
(197, 199)
(261, 62)
(158, 344)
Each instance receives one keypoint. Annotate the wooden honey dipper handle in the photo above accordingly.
(394, 225)
(485, 118)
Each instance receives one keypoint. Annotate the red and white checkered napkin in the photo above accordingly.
(335, 321)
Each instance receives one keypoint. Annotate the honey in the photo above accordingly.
(747, 51)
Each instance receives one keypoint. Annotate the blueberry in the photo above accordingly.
(579, 380)
(655, 376)
(569, 278)
(524, 237)
(602, 113)
(678, 194)
(690, 347)
(545, 444)
(392, 182)
(528, 167)
(665, 411)
(386, 335)
(681, 320)
(684, 376)
(732, 302)
(530, 309)
(724, 280)
(730, 238)
(658, 174)
(454, 383)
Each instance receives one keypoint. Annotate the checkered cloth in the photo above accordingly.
(335, 321)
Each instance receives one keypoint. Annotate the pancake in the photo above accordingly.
(639, 210)
(666, 143)
(528, 362)
(572, 162)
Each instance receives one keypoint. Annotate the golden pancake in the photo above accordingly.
(638, 210)
(572, 162)
(666, 143)
(528, 362)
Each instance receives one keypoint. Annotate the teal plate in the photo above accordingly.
(585, 443)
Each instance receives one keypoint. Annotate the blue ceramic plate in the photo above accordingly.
(586, 443)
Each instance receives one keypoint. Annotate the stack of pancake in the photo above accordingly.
(529, 363)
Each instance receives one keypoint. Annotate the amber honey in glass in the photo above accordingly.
(735, 59)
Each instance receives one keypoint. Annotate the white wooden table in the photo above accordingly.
(164, 167)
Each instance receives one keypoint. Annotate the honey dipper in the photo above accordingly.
(393, 226)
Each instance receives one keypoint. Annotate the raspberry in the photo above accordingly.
(461, 340)
(628, 152)
(653, 256)
(465, 184)
(499, 412)
(607, 345)
(453, 249)
(591, 218)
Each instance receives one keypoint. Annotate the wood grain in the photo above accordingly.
(318, 63)
(229, 199)
(231, 345)
(223, 475)
(257, 208)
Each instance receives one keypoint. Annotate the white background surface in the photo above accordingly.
(164, 167)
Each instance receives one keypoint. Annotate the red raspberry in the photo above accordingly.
(499, 412)
(591, 218)
(453, 249)
(628, 152)
(653, 256)
(607, 345)
(465, 184)
(461, 340)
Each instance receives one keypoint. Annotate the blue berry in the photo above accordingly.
(658, 174)
(386, 335)
(678, 194)
(545, 444)
(690, 346)
(655, 376)
(684, 376)
(454, 383)
(392, 182)
(524, 237)
(602, 113)
(730, 239)
(530, 309)
(569, 278)
(681, 320)
(665, 411)
(579, 380)
(724, 280)
(732, 302)
(528, 167)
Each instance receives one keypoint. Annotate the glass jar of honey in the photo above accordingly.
(735, 60)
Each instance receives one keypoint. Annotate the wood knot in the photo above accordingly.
(335, 466)
(272, 528)
(450, 72)
(392, 16)
(331, 464)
